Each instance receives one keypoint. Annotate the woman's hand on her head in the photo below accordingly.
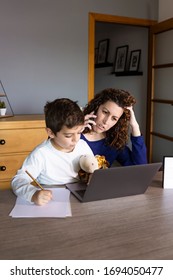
(133, 122)
(89, 120)
(42, 197)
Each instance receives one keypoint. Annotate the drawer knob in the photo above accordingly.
(2, 141)
(2, 168)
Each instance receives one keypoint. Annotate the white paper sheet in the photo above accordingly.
(168, 173)
(58, 207)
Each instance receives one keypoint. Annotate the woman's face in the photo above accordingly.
(108, 115)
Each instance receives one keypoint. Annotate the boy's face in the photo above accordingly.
(66, 139)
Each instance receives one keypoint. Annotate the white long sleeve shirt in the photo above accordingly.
(49, 166)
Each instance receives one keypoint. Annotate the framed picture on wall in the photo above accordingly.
(134, 60)
(103, 48)
(167, 172)
(121, 58)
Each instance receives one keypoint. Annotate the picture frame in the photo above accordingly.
(167, 172)
(103, 47)
(121, 58)
(134, 60)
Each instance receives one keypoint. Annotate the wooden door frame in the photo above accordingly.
(158, 28)
(93, 17)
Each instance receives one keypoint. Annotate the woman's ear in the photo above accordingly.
(50, 133)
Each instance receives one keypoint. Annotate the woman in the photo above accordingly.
(108, 118)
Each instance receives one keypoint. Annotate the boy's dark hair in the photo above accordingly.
(62, 111)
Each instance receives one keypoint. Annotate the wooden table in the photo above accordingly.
(135, 227)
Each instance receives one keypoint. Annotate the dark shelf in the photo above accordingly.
(102, 65)
(165, 101)
(163, 65)
(128, 73)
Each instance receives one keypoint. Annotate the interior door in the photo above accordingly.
(160, 91)
(93, 18)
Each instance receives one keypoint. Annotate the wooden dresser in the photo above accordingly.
(18, 136)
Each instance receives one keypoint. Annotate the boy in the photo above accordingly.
(56, 160)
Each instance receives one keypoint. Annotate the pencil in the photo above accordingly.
(37, 183)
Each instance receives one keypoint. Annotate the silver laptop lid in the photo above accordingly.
(117, 182)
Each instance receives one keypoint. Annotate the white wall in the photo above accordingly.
(165, 9)
(44, 47)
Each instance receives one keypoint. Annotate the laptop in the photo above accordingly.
(115, 182)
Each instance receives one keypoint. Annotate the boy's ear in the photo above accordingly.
(49, 132)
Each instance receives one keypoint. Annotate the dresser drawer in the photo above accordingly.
(11, 163)
(21, 140)
(19, 135)
(5, 185)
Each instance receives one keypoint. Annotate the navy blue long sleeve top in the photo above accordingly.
(126, 156)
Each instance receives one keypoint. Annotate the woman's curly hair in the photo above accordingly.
(117, 136)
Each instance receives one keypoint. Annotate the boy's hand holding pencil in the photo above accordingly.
(40, 197)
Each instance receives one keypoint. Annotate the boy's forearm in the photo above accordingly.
(23, 189)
